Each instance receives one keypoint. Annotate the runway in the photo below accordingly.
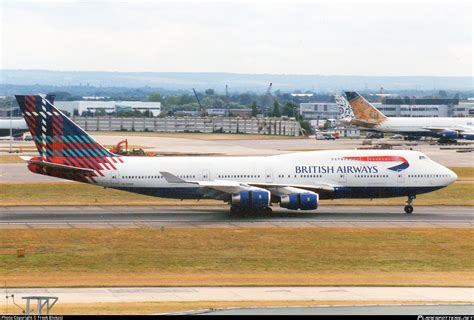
(218, 216)
(454, 309)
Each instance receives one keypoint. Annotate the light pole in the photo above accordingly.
(11, 128)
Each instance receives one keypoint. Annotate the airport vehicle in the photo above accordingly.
(249, 184)
(324, 136)
(396, 137)
(374, 135)
(122, 149)
(446, 129)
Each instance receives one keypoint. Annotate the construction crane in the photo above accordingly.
(268, 98)
(227, 96)
(202, 110)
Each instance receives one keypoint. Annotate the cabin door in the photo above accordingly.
(342, 178)
(114, 178)
(400, 177)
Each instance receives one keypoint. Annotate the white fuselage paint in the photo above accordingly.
(17, 124)
(401, 124)
(306, 168)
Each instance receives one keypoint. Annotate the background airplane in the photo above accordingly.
(447, 129)
(249, 184)
(18, 126)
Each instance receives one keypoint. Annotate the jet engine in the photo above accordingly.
(251, 199)
(449, 134)
(468, 136)
(302, 201)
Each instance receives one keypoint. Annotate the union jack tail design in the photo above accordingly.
(65, 150)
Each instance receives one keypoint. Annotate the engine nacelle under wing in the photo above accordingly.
(468, 136)
(301, 201)
(251, 199)
(449, 134)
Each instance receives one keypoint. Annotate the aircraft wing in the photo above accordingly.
(362, 123)
(287, 188)
(219, 185)
(438, 129)
(228, 187)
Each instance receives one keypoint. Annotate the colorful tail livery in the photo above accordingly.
(363, 110)
(65, 149)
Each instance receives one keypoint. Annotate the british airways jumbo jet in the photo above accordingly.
(249, 184)
(445, 128)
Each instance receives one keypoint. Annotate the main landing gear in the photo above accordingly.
(409, 207)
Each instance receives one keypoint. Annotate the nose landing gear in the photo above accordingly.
(409, 207)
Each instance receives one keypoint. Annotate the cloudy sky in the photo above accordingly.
(333, 37)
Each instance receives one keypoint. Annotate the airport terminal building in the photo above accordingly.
(79, 107)
(396, 107)
(319, 110)
(405, 107)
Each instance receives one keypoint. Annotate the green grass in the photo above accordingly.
(11, 158)
(464, 172)
(262, 253)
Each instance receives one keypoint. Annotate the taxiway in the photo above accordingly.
(218, 216)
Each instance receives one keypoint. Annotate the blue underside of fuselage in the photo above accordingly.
(420, 134)
(339, 192)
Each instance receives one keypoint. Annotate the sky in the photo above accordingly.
(332, 37)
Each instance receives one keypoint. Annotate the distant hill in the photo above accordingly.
(235, 81)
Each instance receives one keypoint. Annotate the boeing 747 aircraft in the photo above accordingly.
(367, 116)
(249, 184)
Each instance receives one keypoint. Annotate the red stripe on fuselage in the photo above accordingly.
(378, 158)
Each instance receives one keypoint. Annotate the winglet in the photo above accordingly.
(171, 178)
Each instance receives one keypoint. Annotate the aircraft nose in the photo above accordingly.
(452, 176)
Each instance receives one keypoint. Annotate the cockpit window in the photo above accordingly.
(423, 157)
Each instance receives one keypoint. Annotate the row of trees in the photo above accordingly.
(276, 105)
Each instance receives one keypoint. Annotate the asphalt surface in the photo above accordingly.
(441, 310)
(219, 216)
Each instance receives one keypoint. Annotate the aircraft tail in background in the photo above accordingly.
(363, 110)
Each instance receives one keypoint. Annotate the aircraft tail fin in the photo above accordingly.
(345, 110)
(50, 97)
(59, 140)
(364, 110)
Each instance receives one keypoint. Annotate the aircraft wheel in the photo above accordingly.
(267, 210)
(408, 209)
(235, 210)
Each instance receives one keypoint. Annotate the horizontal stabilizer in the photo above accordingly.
(25, 158)
(63, 167)
(362, 123)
